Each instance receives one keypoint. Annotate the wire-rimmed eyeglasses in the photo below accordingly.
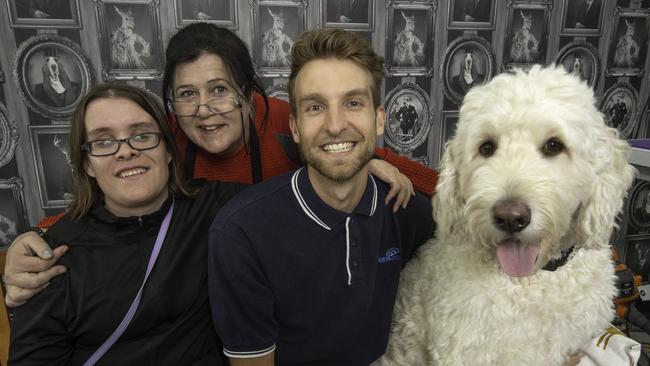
(189, 108)
(105, 147)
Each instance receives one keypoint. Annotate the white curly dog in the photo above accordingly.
(531, 172)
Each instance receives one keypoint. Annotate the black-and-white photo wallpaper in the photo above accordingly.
(53, 51)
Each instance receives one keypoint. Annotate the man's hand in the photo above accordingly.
(29, 267)
(400, 186)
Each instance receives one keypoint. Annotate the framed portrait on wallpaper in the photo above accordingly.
(219, 12)
(469, 61)
(471, 14)
(53, 74)
(130, 39)
(13, 213)
(628, 43)
(580, 58)
(634, 4)
(409, 42)
(582, 18)
(276, 24)
(279, 91)
(408, 117)
(619, 106)
(348, 14)
(44, 13)
(638, 208)
(637, 255)
(8, 136)
(526, 35)
(50, 150)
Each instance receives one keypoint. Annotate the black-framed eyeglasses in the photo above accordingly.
(189, 108)
(105, 147)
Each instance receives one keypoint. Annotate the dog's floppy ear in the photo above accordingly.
(613, 176)
(447, 202)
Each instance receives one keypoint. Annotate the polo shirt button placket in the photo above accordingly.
(355, 252)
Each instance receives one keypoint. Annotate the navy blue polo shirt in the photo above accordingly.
(288, 273)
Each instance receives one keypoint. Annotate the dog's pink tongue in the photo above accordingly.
(517, 260)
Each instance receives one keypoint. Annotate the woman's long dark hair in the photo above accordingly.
(198, 39)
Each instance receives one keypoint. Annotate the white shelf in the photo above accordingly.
(640, 158)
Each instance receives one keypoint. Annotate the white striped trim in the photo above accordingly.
(303, 203)
(251, 354)
(347, 249)
(374, 196)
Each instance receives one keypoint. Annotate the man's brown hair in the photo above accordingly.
(336, 43)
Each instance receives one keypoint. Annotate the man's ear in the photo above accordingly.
(293, 125)
(380, 120)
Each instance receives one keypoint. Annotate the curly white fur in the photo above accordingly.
(455, 304)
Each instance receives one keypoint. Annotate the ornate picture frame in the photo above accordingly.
(130, 39)
(638, 207)
(526, 38)
(8, 136)
(633, 4)
(279, 91)
(13, 217)
(409, 117)
(637, 255)
(53, 167)
(209, 11)
(409, 41)
(579, 19)
(629, 42)
(471, 14)
(581, 58)
(273, 34)
(348, 14)
(468, 61)
(447, 128)
(32, 14)
(619, 106)
(52, 74)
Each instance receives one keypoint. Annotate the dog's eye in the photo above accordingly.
(552, 147)
(487, 148)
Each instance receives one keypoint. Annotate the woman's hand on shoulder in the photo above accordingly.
(400, 185)
(29, 267)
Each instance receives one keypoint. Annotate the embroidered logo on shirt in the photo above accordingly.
(392, 254)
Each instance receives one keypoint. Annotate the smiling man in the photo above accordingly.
(303, 269)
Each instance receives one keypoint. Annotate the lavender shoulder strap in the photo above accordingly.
(136, 302)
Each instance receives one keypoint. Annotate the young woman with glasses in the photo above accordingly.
(128, 179)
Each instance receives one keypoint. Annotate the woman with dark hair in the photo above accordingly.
(252, 142)
(131, 209)
(246, 142)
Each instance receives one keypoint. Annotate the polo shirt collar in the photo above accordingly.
(324, 215)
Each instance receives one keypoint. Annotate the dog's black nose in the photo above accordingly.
(511, 216)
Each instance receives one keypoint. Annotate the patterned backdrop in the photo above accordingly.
(435, 51)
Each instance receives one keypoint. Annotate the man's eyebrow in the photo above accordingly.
(310, 97)
(359, 92)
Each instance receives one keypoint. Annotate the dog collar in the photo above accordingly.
(559, 262)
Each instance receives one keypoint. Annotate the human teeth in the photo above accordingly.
(132, 172)
(210, 128)
(342, 146)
